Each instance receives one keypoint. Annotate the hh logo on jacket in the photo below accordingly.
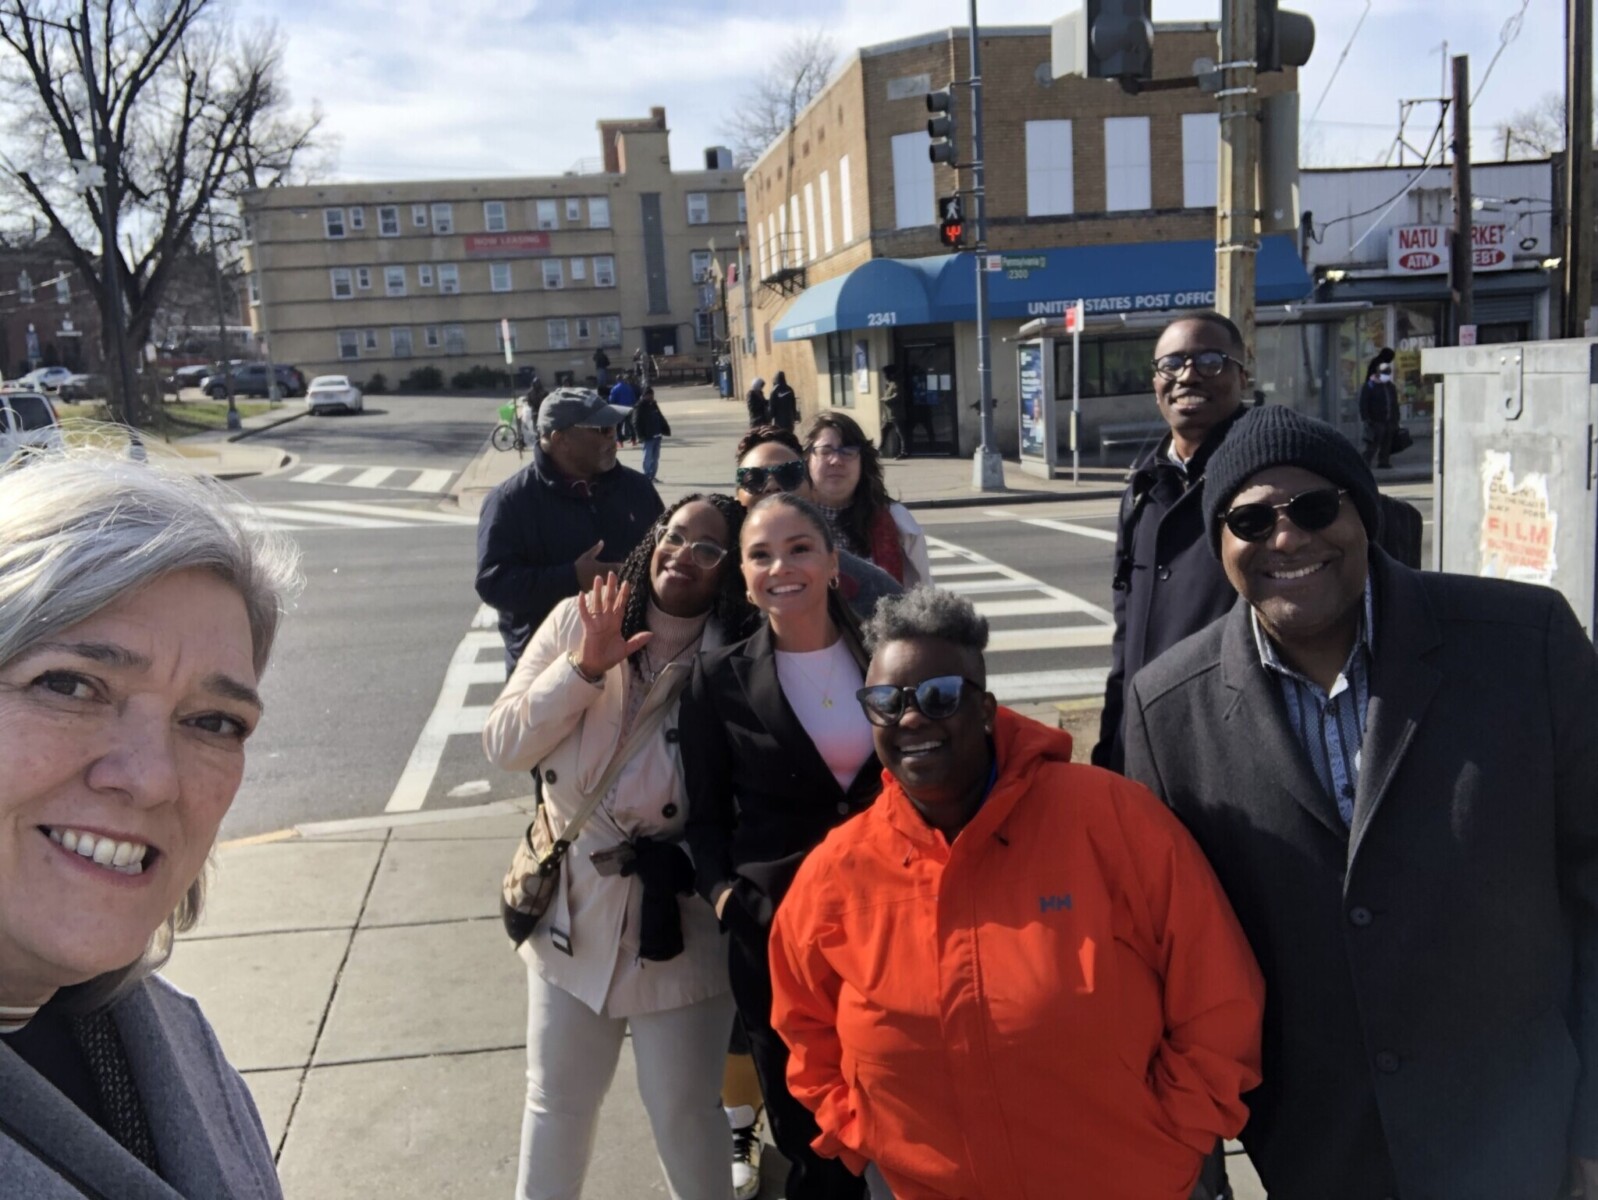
(1048, 904)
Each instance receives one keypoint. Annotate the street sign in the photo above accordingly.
(504, 340)
(1074, 318)
(993, 262)
(1467, 335)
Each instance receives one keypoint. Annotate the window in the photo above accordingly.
(760, 245)
(795, 239)
(743, 208)
(840, 371)
(388, 221)
(584, 332)
(419, 215)
(1126, 164)
(349, 343)
(394, 281)
(63, 289)
(32, 412)
(430, 337)
(810, 222)
(494, 216)
(610, 331)
(553, 274)
(499, 277)
(604, 270)
(499, 337)
(826, 213)
(703, 326)
(400, 338)
(699, 263)
(548, 215)
(443, 218)
(24, 288)
(1201, 153)
(449, 279)
(579, 268)
(698, 208)
(333, 222)
(357, 218)
(343, 288)
(363, 278)
(574, 210)
(914, 201)
(1110, 367)
(556, 331)
(1050, 188)
(845, 200)
(369, 337)
(599, 212)
(255, 291)
(424, 275)
(454, 339)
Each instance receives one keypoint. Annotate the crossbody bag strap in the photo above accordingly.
(635, 741)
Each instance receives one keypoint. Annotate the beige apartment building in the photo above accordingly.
(1092, 193)
(382, 278)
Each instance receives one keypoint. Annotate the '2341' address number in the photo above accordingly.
(882, 318)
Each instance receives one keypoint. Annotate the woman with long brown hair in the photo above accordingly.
(847, 482)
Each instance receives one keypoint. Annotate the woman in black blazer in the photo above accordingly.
(776, 752)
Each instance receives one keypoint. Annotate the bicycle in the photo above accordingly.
(507, 434)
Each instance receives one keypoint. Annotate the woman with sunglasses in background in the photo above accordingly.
(846, 475)
(775, 754)
(1014, 977)
(625, 946)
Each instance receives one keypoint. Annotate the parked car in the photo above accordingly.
(250, 379)
(27, 419)
(187, 377)
(85, 387)
(333, 391)
(44, 379)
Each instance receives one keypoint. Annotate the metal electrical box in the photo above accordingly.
(1515, 464)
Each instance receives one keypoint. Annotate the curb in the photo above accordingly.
(983, 499)
(382, 821)
(249, 433)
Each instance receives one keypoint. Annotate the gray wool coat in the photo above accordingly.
(1431, 1018)
(208, 1135)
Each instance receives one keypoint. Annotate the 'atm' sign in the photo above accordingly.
(1424, 249)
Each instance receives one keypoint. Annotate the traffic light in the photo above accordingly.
(1285, 39)
(941, 127)
(951, 219)
(1106, 39)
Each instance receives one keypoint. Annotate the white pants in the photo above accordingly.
(571, 1057)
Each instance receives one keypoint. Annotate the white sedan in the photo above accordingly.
(333, 391)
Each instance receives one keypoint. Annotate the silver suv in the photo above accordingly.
(27, 419)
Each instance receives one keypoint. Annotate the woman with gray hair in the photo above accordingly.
(137, 612)
(1012, 969)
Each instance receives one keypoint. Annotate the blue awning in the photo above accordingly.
(1137, 277)
(884, 291)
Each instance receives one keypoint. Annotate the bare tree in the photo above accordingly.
(768, 106)
(179, 111)
(1535, 131)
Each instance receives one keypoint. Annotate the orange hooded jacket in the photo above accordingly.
(1059, 1003)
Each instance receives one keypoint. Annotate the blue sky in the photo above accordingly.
(417, 89)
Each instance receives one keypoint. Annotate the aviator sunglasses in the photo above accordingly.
(705, 555)
(1208, 364)
(936, 698)
(1310, 511)
(789, 475)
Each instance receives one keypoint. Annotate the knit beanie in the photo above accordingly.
(1273, 436)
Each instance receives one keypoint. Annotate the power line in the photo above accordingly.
(1340, 59)
(1509, 32)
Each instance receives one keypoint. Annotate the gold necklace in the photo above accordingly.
(826, 687)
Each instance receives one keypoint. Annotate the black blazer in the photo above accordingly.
(1431, 1019)
(760, 795)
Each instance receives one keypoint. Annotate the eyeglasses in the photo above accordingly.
(935, 698)
(1310, 511)
(841, 453)
(1208, 364)
(789, 475)
(706, 555)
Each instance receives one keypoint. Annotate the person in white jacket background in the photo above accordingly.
(625, 945)
(847, 483)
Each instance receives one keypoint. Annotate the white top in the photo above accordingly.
(820, 687)
(917, 561)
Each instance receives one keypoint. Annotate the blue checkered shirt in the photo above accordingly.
(1330, 726)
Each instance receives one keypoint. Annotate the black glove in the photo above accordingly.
(666, 873)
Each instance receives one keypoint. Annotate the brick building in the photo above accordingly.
(362, 278)
(1092, 193)
(47, 317)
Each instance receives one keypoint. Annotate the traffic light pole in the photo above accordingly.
(1236, 216)
(987, 468)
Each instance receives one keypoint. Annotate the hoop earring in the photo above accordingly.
(833, 583)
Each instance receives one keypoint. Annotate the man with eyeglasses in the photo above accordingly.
(1167, 584)
(1395, 776)
(571, 514)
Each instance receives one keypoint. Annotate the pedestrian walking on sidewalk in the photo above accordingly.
(652, 426)
(846, 479)
(775, 754)
(137, 612)
(757, 404)
(601, 370)
(1038, 943)
(784, 403)
(626, 946)
(895, 420)
(1378, 409)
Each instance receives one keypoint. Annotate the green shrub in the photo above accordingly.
(479, 378)
(423, 379)
(376, 385)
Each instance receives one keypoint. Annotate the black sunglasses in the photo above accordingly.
(789, 475)
(1310, 511)
(1208, 364)
(936, 698)
(706, 555)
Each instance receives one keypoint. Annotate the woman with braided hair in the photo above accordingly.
(626, 945)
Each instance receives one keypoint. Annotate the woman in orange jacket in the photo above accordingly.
(1013, 978)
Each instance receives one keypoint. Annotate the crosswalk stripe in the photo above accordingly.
(430, 481)
(964, 568)
(294, 515)
(985, 587)
(1048, 685)
(372, 477)
(385, 512)
(1087, 531)
(1042, 606)
(1071, 637)
(315, 474)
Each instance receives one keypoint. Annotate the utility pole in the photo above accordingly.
(1462, 253)
(987, 470)
(234, 421)
(1577, 284)
(1236, 216)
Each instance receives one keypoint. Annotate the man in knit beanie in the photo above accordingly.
(1395, 776)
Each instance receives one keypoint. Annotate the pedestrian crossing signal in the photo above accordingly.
(951, 219)
(949, 232)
